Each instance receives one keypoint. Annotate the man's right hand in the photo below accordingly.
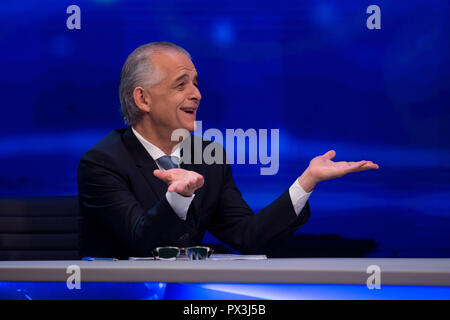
(181, 181)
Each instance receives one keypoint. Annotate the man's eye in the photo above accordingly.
(181, 85)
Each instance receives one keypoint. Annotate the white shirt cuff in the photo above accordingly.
(298, 196)
(179, 203)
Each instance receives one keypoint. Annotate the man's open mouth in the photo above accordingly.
(189, 110)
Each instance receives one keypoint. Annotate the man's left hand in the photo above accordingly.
(323, 168)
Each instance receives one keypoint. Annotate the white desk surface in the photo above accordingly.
(394, 271)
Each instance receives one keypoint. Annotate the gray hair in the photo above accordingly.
(139, 70)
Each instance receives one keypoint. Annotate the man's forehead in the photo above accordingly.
(174, 64)
(183, 69)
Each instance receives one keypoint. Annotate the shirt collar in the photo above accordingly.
(153, 150)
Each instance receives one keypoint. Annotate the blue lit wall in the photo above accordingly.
(215, 291)
(310, 68)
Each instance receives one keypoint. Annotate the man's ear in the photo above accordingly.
(142, 99)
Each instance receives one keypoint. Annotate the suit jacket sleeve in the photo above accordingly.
(106, 195)
(237, 225)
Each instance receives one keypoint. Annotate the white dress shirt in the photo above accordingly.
(180, 204)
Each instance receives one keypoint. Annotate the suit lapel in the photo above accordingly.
(145, 163)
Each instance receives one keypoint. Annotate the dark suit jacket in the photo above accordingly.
(125, 212)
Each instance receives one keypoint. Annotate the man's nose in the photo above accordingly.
(195, 94)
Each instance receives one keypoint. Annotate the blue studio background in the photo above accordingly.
(309, 68)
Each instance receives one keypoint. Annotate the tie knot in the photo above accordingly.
(167, 162)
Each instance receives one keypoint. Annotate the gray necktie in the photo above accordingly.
(167, 162)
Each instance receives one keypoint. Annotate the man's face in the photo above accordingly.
(174, 101)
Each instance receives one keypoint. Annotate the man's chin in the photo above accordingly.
(191, 126)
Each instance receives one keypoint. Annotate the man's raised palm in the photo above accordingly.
(323, 168)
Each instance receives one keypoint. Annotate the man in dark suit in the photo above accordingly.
(136, 195)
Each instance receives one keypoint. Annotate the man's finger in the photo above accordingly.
(181, 187)
(330, 154)
(160, 174)
(355, 166)
(371, 165)
(367, 165)
(197, 182)
(200, 182)
(171, 187)
(175, 187)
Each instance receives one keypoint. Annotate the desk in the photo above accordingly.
(429, 278)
